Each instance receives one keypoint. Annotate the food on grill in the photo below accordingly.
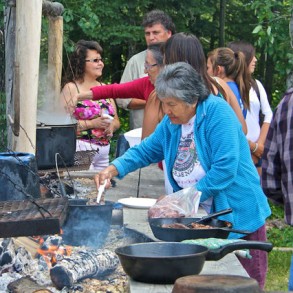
(175, 225)
(199, 226)
(188, 226)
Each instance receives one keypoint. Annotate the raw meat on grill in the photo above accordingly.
(164, 212)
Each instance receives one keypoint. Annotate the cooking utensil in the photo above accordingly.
(87, 224)
(214, 215)
(32, 217)
(221, 229)
(52, 139)
(101, 190)
(164, 262)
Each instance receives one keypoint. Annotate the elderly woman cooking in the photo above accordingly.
(203, 145)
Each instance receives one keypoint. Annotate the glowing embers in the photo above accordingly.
(52, 249)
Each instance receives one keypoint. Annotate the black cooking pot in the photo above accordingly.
(221, 229)
(87, 225)
(52, 139)
(164, 262)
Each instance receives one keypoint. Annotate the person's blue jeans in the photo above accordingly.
(122, 145)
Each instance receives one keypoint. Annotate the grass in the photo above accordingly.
(278, 273)
(281, 235)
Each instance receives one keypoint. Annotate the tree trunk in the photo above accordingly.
(213, 33)
(222, 23)
(269, 76)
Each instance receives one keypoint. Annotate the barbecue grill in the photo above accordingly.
(32, 217)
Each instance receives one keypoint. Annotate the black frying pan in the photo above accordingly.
(221, 229)
(164, 262)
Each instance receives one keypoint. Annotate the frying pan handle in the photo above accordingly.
(216, 254)
(214, 215)
(246, 232)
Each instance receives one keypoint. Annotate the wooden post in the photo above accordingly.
(9, 20)
(55, 44)
(27, 52)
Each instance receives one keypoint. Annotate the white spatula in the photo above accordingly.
(101, 190)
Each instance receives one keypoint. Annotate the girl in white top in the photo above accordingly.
(259, 104)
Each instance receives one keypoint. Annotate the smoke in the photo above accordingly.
(50, 110)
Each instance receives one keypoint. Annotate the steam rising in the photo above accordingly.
(50, 109)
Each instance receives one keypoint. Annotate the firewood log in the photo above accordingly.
(26, 284)
(83, 264)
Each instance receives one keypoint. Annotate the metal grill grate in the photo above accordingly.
(32, 218)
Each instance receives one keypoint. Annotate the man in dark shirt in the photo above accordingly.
(277, 163)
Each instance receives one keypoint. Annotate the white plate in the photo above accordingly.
(137, 202)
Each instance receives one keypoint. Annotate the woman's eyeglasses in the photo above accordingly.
(149, 66)
(97, 60)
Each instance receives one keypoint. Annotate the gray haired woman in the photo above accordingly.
(204, 146)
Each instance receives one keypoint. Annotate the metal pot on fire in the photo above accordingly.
(86, 224)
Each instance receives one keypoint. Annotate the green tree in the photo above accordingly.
(273, 41)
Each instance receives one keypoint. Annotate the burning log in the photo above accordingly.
(83, 264)
(52, 249)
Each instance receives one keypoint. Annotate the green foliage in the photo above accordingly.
(124, 122)
(273, 37)
(277, 211)
(280, 237)
(117, 26)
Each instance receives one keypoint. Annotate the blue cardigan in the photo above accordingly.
(231, 177)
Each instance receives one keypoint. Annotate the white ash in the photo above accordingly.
(6, 279)
(7, 254)
(83, 263)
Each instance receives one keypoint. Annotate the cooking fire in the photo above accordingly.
(68, 262)
(57, 267)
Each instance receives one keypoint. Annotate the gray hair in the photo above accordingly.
(156, 50)
(181, 81)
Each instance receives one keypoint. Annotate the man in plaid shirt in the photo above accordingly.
(277, 165)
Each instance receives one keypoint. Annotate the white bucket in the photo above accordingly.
(133, 136)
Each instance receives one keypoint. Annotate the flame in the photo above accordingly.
(52, 249)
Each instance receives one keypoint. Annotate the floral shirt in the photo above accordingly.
(89, 109)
